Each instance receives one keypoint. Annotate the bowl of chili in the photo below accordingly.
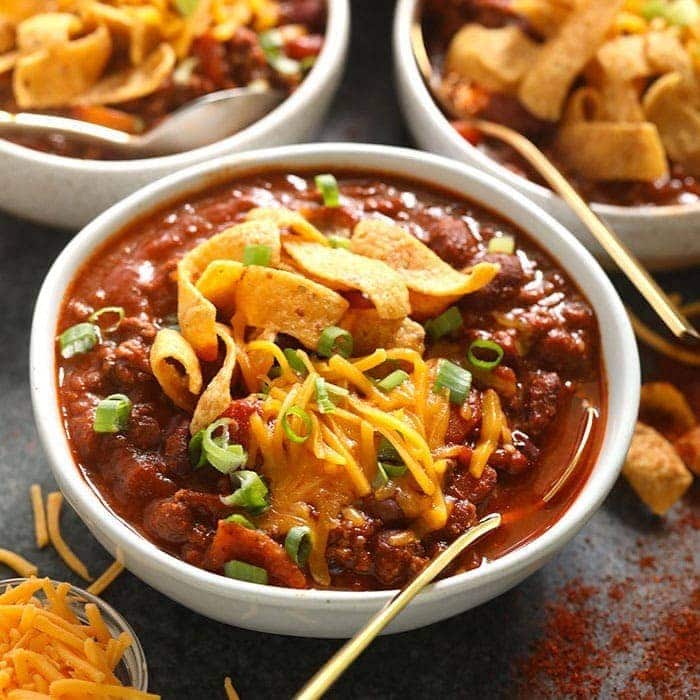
(223, 506)
(77, 182)
(638, 211)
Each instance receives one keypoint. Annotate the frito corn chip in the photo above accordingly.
(371, 332)
(673, 104)
(134, 82)
(340, 269)
(218, 284)
(196, 314)
(425, 274)
(181, 385)
(654, 470)
(546, 84)
(288, 303)
(45, 29)
(663, 404)
(688, 447)
(217, 396)
(286, 218)
(59, 73)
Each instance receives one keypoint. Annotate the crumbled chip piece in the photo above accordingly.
(664, 406)
(654, 469)
(688, 447)
(176, 367)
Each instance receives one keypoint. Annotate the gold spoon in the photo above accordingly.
(341, 660)
(676, 322)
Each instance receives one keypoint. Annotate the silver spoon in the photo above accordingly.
(197, 123)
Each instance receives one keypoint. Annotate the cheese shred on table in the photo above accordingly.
(47, 651)
(53, 512)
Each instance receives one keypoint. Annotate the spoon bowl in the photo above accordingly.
(198, 123)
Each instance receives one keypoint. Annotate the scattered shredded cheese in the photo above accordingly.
(40, 529)
(17, 563)
(106, 578)
(53, 513)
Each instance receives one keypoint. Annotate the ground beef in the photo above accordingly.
(504, 287)
(464, 486)
(169, 520)
(144, 429)
(349, 546)
(135, 476)
(394, 564)
(541, 401)
(175, 451)
(452, 240)
(564, 350)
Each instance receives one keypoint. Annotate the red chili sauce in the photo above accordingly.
(441, 21)
(217, 66)
(532, 309)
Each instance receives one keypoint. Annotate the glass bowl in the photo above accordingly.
(132, 669)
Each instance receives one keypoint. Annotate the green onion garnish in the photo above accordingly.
(240, 520)
(678, 12)
(380, 478)
(257, 255)
(251, 493)
(325, 405)
(112, 414)
(295, 361)
(386, 452)
(304, 417)
(217, 451)
(327, 185)
(336, 393)
(335, 341)
(393, 380)
(447, 322)
(454, 378)
(186, 7)
(339, 242)
(394, 470)
(95, 316)
(78, 339)
(489, 346)
(245, 572)
(272, 44)
(298, 544)
(307, 63)
(502, 244)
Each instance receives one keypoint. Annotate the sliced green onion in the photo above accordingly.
(78, 339)
(447, 322)
(298, 544)
(307, 63)
(240, 520)
(394, 470)
(380, 478)
(112, 414)
(502, 244)
(272, 44)
(335, 341)
(327, 185)
(386, 452)
(489, 346)
(393, 380)
(251, 493)
(94, 317)
(186, 7)
(339, 242)
(295, 361)
(325, 405)
(245, 572)
(257, 255)
(455, 379)
(678, 12)
(217, 451)
(304, 417)
(197, 457)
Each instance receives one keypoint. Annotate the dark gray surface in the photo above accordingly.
(188, 655)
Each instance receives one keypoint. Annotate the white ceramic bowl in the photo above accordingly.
(662, 237)
(334, 613)
(69, 192)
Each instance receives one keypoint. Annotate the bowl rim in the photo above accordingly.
(293, 107)
(405, 64)
(138, 675)
(616, 334)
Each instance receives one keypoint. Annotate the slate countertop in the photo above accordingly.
(477, 654)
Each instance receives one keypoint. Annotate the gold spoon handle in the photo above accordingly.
(341, 660)
(677, 323)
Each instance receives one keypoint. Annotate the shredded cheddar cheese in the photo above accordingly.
(40, 529)
(47, 651)
(53, 512)
(17, 563)
(106, 578)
